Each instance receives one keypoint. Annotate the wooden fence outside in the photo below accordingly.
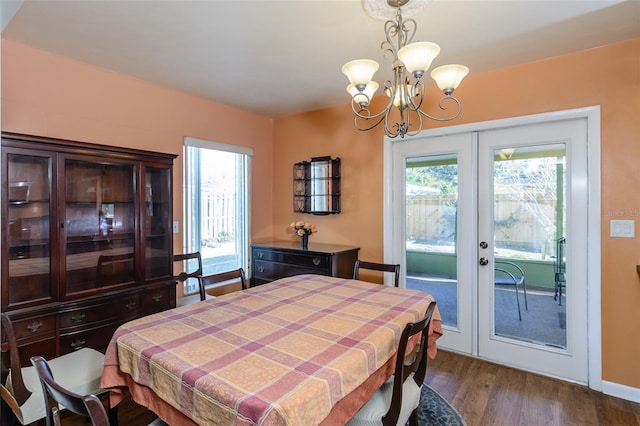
(218, 221)
(522, 225)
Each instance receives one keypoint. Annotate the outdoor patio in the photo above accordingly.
(543, 323)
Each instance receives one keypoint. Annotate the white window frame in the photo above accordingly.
(243, 200)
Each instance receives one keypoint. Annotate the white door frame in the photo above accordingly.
(393, 209)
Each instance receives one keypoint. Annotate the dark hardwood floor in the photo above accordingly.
(489, 394)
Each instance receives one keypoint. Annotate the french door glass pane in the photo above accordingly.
(431, 215)
(529, 241)
(217, 209)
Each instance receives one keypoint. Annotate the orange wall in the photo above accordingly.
(49, 95)
(608, 76)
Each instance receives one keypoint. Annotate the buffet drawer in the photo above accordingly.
(272, 261)
(273, 271)
(317, 260)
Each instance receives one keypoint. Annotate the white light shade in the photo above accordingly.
(360, 71)
(418, 56)
(448, 77)
(359, 98)
(398, 97)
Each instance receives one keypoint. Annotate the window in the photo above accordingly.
(216, 205)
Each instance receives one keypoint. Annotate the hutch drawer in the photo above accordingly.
(159, 299)
(85, 315)
(35, 334)
(96, 338)
(34, 327)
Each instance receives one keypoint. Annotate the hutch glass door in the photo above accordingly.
(28, 209)
(157, 219)
(99, 225)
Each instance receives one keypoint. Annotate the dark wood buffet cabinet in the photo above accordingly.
(86, 241)
(277, 259)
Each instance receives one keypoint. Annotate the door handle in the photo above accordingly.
(484, 261)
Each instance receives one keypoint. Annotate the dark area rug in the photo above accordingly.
(435, 410)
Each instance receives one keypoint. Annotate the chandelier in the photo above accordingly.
(407, 91)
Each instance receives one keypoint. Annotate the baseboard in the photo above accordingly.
(621, 391)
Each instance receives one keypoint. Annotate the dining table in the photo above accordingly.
(299, 351)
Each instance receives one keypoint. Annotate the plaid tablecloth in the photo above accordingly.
(283, 353)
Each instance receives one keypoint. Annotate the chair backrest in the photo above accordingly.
(10, 366)
(236, 274)
(88, 406)
(191, 268)
(508, 273)
(383, 267)
(412, 366)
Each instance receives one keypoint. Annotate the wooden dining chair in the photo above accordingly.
(20, 387)
(221, 277)
(88, 406)
(382, 267)
(397, 400)
(191, 265)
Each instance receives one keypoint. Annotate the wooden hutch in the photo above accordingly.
(86, 241)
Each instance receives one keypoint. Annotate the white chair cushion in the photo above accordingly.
(78, 371)
(371, 413)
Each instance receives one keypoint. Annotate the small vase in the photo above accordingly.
(305, 242)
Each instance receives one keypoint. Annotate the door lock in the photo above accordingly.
(483, 244)
(484, 261)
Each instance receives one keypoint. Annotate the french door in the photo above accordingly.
(493, 223)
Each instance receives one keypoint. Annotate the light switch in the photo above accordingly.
(622, 228)
(176, 227)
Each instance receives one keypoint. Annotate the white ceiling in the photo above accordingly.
(279, 57)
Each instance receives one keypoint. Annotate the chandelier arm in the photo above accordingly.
(363, 115)
(407, 120)
(368, 115)
(419, 125)
(362, 106)
(388, 131)
(357, 119)
(442, 107)
(418, 90)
